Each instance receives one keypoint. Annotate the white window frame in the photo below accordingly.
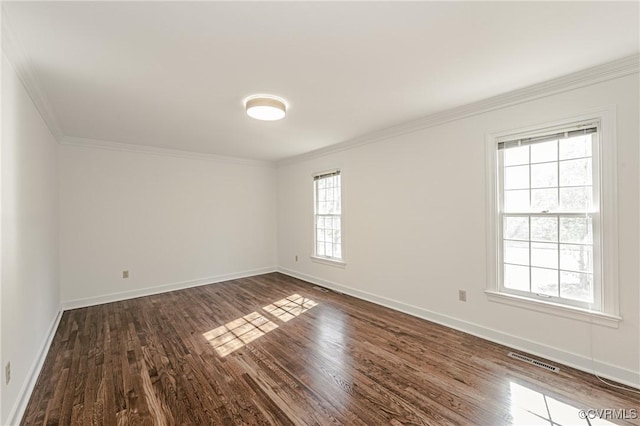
(605, 233)
(331, 261)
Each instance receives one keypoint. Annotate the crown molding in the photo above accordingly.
(598, 74)
(17, 56)
(166, 152)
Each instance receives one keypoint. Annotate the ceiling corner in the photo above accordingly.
(17, 57)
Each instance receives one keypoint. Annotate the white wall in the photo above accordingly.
(414, 219)
(30, 290)
(170, 221)
(414, 228)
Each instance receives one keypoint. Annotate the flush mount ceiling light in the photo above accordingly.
(266, 107)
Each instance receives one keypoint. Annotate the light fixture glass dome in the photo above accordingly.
(266, 107)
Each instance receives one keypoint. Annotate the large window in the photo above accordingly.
(549, 242)
(552, 233)
(328, 215)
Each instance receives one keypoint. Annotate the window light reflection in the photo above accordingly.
(239, 332)
(529, 407)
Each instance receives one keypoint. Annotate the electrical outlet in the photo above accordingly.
(462, 295)
(125, 274)
(7, 373)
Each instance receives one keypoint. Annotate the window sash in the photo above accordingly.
(595, 282)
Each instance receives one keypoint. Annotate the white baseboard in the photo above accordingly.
(148, 291)
(18, 409)
(579, 362)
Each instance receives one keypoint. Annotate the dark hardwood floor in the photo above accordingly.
(275, 350)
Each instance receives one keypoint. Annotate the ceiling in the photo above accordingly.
(175, 74)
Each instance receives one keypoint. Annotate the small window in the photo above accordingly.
(328, 216)
(548, 204)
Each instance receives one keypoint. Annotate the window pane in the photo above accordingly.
(575, 172)
(322, 195)
(329, 207)
(576, 286)
(517, 200)
(544, 255)
(544, 199)
(576, 199)
(544, 228)
(546, 151)
(516, 252)
(576, 230)
(576, 147)
(516, 177)
(337, 251)
(576, 258)
(320, 235)
(516, 228)
(544, 175)
(320, 248)
(328, 249)
(516, 277)
(544, 281)
(515, 156)
(328, 235)
(331, 182)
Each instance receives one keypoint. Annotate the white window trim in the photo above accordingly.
(339, 263)
(327, 261)
(608, 228)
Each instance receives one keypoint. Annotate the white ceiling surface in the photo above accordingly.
(174, 75)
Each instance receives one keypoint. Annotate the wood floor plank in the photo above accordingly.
(274, 350)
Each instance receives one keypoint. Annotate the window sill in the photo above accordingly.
(330, 262)
(600, 318)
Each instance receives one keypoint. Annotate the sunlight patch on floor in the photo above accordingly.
(237, 333)
(290, 307)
